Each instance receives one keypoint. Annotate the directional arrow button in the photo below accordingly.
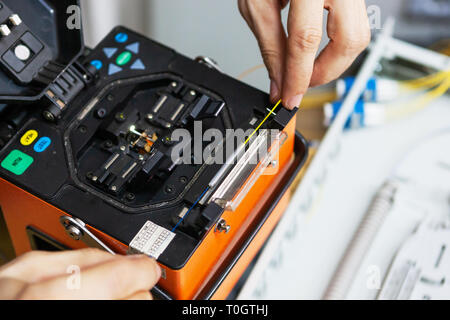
(134, 47)
(109, 52)
(138, 65)
(113, 69)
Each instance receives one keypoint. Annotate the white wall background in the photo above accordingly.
(212, 28)
(100, 16)
(215, 28)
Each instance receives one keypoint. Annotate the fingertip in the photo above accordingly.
(144, 258)
(158, 271)
(274, 92)
(293, 102)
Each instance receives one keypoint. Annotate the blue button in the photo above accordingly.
(42, 144)
(113, 69)
(134, 47)
(121, 37)
(109, 52)
(138, 65)
(97, 64)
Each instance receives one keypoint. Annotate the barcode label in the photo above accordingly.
(151, 240)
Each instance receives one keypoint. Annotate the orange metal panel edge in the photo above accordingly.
(244, 261)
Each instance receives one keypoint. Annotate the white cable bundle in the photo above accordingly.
(363, 238)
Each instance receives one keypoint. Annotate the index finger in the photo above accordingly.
(115, 279)
(304, 37)
(37, 266)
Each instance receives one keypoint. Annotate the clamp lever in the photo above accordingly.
(76, 229)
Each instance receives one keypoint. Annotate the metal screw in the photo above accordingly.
(48, 116)
(141, 157)
(183, 179)
(174, 84)
(150, 116)
(108, 144)
(74, 233)
(114, 188)
(222, 226)
(192, 93)
(123, 148)
(130, 196)
(101, 113)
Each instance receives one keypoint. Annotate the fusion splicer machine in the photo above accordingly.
(89, 157)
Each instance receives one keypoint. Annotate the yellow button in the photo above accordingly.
(29, 137)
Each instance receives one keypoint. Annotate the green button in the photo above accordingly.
(123, 58)
(17, 162)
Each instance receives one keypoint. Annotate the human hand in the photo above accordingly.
(45, 276)
(291, 59)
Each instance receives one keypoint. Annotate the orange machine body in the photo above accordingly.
(23, 210)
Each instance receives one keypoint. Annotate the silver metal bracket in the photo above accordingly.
(76, 229)
(209, 62)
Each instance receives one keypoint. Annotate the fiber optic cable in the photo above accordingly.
(262, 122)
(427, 81)
(396, 112)
(208, 187)
(190, 209)
(381, 103)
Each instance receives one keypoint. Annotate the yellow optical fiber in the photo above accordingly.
(420, 103)
(427, 81)
(265, 119)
